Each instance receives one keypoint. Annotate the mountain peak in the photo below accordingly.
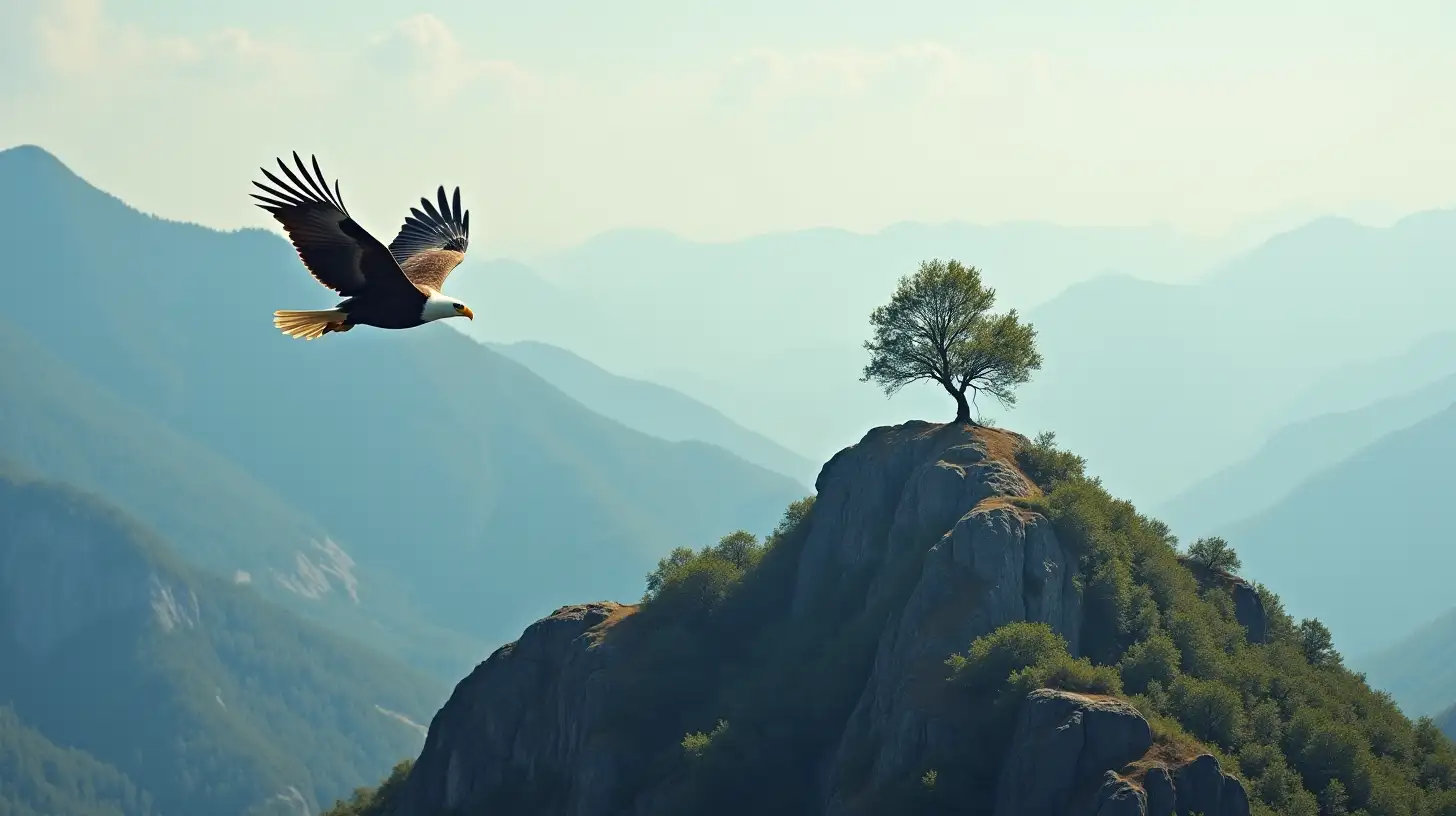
(918, 544)
(35, 160)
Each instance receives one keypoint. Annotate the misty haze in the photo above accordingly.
(836, 410)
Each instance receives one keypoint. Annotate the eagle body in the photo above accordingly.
(394, 287)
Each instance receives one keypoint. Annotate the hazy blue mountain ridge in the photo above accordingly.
(653, 409)
(1296, 452)
(477, 487)
(206, 697)
(1363, 544)
(1167, 361)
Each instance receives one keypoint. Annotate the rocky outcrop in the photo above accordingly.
(938, 498)
(523, 729)
(1249, 611)
(1063, 743)
(1201, 786)
(1248, 605)
(917, 526)
(1118, 796)
(1066, 744)
(900, 489)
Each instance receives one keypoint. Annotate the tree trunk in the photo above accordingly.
(963, 408)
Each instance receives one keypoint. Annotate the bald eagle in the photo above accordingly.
(394, 287)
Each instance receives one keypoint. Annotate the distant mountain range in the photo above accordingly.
(134, 684)
(1165, 362)
(1364, 544)
(1419, 670)
(1166, 384)
(413, 488)
(1363, 381)
(1299, 451)
(653, 409)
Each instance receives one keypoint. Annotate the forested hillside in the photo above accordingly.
(177, 692)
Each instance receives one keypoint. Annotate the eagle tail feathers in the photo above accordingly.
(310, 324)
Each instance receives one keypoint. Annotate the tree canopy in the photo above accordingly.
(1215, 554)
(938, 327)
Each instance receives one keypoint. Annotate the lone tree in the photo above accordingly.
(936, 327)
(1215, 555)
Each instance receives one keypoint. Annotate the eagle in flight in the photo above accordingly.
(394, 287)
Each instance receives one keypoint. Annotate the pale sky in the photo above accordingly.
(716, 120)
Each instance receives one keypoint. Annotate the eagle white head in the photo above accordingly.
(438, 307)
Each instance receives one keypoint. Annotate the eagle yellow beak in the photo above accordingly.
(465, 310)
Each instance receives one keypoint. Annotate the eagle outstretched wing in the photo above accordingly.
(432, 243)
(338, 252)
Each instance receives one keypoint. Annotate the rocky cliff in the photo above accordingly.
(921, 534)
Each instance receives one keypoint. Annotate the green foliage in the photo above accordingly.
(1211, 711)
(1045, 464)
(1286, 715)
(37, 778)
(693, 584)
(1215, 555)
(786, 689)
(1317, 643)
(1155, 660)
(696, 743)
(675, 560)
(993, 658)
(223, 711)
(373, 801)
(1022, 656)
(937, 327)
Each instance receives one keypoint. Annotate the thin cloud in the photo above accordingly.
(77, 41)
(424, 54)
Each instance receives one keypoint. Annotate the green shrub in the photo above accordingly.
(993, 658)
(1154, 659)
(374, 801)
(1209, 710)
(1045, 464)
(696, 743)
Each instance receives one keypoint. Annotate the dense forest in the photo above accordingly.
(174, 687)
(724, 692)
(38, 778)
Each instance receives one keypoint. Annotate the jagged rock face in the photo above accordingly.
(1118, 797)
(521, 725)
(60, 572)
(1249, 611)
(1064, 742)
(900, 487)
(1201, 786)
(985, 563)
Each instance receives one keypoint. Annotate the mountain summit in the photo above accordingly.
(960, 622)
